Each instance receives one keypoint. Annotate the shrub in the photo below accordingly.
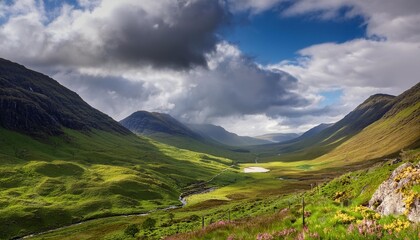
(149, 223)
(131, 230)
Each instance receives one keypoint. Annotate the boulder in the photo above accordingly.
(395, 195)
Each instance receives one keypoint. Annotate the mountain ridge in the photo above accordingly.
(35, 104)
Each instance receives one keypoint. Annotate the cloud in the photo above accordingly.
(396, 20)
(361, 67)
(232, 85)
(253, 6)
(164, 34)
(127, 55)
(235, 85)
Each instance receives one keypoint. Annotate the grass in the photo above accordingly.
(62, 180)
(261, 213)
(238, 154)
(254, 203)
(327, 217)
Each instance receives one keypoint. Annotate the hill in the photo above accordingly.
(220, 134)
(398, 129)
(279, 137)
(166, 129)
(63, 161)
(35, 104)
(149, 123)
(371, 110)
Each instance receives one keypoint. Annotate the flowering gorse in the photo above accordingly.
(397, 226)
(343, 218)
(367, 213)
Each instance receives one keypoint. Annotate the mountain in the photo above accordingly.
(64, 162)
(397, 129)
(278, 137)
(166, 129)
(371, 110)
(220, 134)
(315, 130)
(36, 104)
(149, 123)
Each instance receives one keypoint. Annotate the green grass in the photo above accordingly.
(259, 211)
(54, 182)
(239, 154)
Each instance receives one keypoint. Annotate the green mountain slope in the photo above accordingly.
(220, 135)
(398, 129)
(319, 144)
(63, 161)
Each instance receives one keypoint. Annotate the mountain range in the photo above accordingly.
(65, 162)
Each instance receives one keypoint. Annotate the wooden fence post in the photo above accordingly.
(303, 211)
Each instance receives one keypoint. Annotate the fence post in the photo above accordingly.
(303, 211)
(202, 222)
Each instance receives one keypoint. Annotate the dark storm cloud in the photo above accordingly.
(137, 37)
(238, 86)
(168, 34)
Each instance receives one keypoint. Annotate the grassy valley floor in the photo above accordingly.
(265, 203)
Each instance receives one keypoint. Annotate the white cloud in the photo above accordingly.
(89, 50)
(397, 20)
(362, 67)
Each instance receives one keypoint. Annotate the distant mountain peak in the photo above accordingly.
(148, 123)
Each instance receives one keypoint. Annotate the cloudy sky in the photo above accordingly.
(251, 66)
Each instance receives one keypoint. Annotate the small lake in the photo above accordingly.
(256, 170)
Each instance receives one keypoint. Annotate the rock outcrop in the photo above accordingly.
(395, 195)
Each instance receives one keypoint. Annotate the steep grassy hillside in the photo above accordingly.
(371, 110)
(399, 128)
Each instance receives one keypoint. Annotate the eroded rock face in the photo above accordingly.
(394, 196)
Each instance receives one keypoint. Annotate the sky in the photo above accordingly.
(251, 66)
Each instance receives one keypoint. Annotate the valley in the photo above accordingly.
(90, 177)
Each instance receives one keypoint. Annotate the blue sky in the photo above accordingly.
(271, 38)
